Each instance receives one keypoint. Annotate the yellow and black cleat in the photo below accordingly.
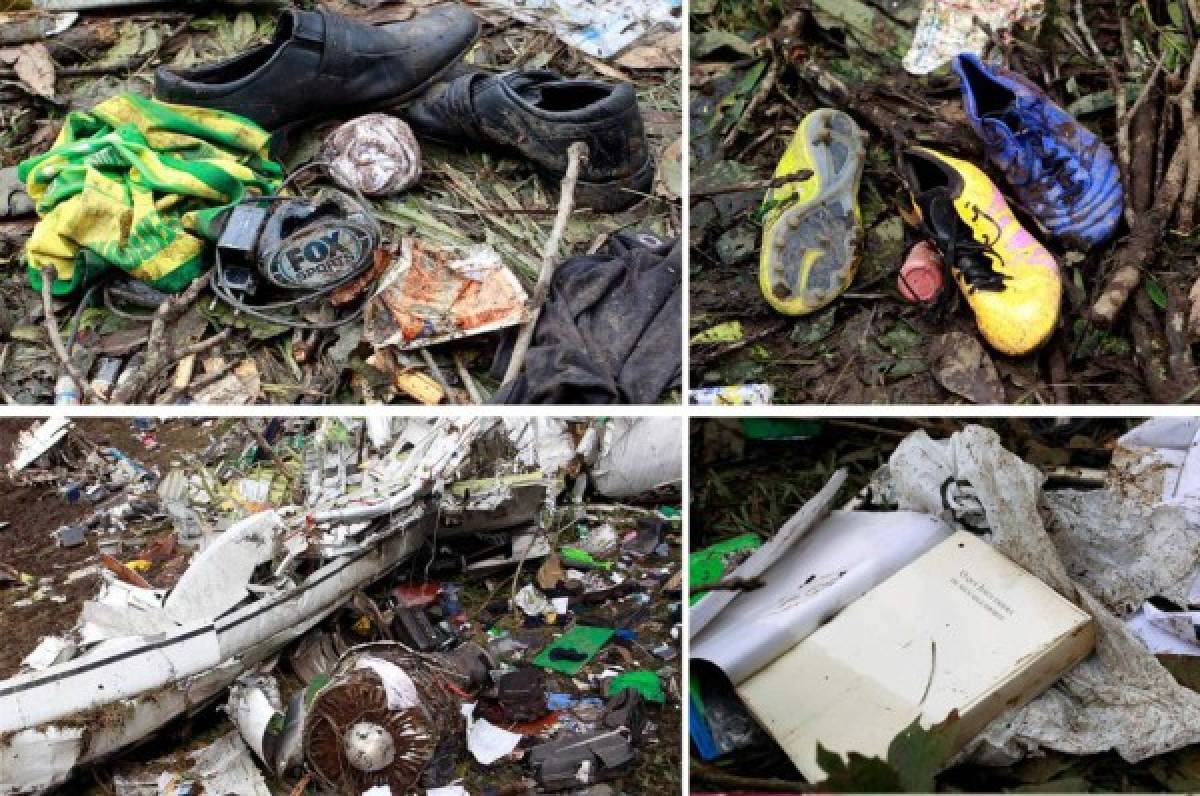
(1010, 280)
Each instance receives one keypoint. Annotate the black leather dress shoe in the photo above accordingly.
(538, 114)
(321, 64)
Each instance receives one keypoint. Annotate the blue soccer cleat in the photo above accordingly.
(1061, 173)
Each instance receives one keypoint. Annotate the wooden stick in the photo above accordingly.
(157, 355)
(465, 376)
(438, 376)
(266, 447)
(48, 276)
(576, 155)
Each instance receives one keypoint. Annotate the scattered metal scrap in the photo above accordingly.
(374, 710)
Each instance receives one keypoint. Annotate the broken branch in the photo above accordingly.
(48, 276)
(576, 155)
(157, 354)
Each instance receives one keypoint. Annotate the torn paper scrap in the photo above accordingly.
(1167, 632)
(487, 742)
(949, 27)
(432, 295)
(600, 28)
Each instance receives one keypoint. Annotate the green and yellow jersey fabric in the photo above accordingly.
(137, 184)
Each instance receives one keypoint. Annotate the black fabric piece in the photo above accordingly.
(609, 332)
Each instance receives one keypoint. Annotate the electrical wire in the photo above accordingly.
(269, 312)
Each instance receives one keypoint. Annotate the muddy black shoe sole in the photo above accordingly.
(610, 196)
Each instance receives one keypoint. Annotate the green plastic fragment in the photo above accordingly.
(782, 428)
(708, 566)
(575, 555)
(581, 639)
(645, 683)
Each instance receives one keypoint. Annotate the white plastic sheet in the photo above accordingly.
(637, 455)
(948, 27)
(841, 559)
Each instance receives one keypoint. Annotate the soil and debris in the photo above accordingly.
(528, 594)
(56, 62)
(750, 475)
(1127, 330)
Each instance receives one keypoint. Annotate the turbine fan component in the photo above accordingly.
(386, 712)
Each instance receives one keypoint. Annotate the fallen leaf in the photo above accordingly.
(668, 181)
(35, 67)
(707, 43)
(660, 54)
(913, 759)
(964, 368)
(728, 332)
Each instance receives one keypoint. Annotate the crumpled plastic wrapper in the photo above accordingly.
(1120, 697)
(948, 27)
(375, 154)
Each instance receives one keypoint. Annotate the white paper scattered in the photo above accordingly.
(948, 27)
(600, 28)
(487, 742)
(1166, 633)
(532, 601)
(401, 690)
(560, 604)
(448, 790)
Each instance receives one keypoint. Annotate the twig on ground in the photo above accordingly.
(760, 94)
(467, 379)
(1179, 349)
(438, 376)
(204, 345)
(753, 185)
(1057, 363)
(1097, 53)
(1141, 133)
(1191, 134)
(723, 779)
(264, 446)
(48, 277)
(1194, 311)
(1148, 350)
(576, 155)
(158, 354)
(172, 394)
(1140, 245)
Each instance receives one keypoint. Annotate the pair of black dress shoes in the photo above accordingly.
(323, 65)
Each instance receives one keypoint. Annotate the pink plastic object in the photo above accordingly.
(922, 276)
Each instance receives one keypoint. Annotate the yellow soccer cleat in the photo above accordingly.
(1010, 280)
(812, 230)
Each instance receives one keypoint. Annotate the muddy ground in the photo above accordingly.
(741, 485)
(35, 508)
(758, 68)
(463, 197)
